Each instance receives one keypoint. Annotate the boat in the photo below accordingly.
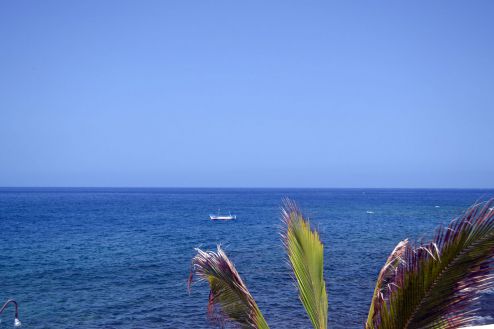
(222, 217)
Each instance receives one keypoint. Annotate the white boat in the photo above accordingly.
(222, 217)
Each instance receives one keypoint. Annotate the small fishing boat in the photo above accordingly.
(222, 217)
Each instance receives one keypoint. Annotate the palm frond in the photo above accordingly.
(385, 278)
(436, 285)
(305, 252)
(227, 290)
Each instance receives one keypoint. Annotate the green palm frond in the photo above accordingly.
(305, 252)
(227, 290)
(435, 285)
(385, 278)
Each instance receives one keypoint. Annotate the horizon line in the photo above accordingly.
(243, 187)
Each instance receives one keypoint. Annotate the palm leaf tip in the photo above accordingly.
(306, 255)
(227, 290)
(385, 278)
(437, 284)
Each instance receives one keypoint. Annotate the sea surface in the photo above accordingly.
(120, 258)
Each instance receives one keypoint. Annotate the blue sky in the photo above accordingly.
(247, 93)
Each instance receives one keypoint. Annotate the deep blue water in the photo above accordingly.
(119, 258)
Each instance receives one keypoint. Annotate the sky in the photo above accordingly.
(247, 93)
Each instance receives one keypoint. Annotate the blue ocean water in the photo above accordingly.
(119, 258)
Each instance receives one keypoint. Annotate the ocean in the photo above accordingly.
(120, 258)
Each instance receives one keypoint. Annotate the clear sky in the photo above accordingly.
(247, 93)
